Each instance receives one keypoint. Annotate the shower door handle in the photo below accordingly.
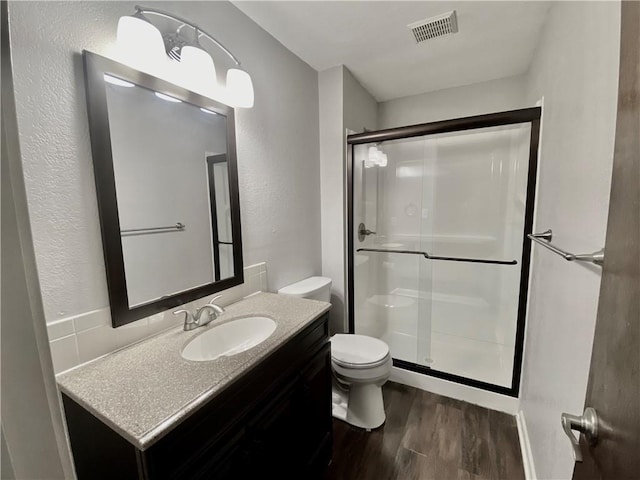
(436, 257)
(364, 232)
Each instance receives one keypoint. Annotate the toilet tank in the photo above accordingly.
(315, 288)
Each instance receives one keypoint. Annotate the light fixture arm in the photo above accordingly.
(162, 13)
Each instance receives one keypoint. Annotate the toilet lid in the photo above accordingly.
(358, 349)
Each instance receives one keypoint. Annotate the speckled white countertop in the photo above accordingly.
(145, 390)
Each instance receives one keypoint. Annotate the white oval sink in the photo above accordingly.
(229, 339)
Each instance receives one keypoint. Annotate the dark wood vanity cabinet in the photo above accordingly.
(274, 420)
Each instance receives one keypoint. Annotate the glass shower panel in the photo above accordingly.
(458, 195)
(475, 210)
(387, 200)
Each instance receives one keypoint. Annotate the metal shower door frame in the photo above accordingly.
(522, 116)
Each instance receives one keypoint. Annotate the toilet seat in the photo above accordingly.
(373, 375)
(358, 351)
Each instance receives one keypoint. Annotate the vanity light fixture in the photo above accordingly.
(117, 81)
(167, 97)
(180, 58)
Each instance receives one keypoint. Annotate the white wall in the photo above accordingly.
(486, 97)
(576, 70)
(33, 435)
(344, 104)
(277, 148)
(360, 109)
(26, 415)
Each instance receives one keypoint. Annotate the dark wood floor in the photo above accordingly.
(427, 436)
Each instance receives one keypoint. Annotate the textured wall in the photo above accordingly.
(31, 417)
(576, 70)
(344, 104)
(278, 146)
(486, 97)
(331, 187)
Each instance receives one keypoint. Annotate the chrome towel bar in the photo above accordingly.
(436, 257)
(545, 238)
(178, 226)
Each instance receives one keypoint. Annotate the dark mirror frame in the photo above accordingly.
(95, 67)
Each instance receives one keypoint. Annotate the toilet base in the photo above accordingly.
(360, 405)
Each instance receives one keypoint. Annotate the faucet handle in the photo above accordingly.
(215, 298)
(219, 310)
(188, 318)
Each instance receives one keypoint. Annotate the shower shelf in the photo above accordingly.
(545, 238)
(437, 257)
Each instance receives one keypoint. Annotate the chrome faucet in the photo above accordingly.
(193, 321)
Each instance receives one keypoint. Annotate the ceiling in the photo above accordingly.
(371, 38)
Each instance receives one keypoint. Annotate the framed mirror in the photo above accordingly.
(167, 184)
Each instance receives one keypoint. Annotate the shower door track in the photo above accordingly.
(526, 115)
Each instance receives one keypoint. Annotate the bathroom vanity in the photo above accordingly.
(145, 412)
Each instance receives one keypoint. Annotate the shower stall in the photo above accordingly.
(438, 258)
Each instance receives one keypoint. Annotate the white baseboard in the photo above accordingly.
(490, 400)
(525, 446)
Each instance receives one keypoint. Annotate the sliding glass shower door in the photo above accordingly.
(438, 248)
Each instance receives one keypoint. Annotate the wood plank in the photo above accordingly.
(506, 454)
(446, 470)
(475, 441)
(421, 423)
(348, 447)
(379, 455)
(428, 436)
(446, 435)
(411, 465)
(464, 475)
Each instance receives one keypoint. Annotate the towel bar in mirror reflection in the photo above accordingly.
(168, 228)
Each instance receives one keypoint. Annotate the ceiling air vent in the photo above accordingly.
(433, 27)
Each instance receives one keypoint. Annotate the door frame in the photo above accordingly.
(527, 115)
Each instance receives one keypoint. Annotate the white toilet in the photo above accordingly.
(361, 365)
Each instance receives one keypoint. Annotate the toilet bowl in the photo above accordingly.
(360, 364)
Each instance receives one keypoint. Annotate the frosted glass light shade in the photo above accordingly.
(239, 88)
(382, 158)
(140, 44)
(198, 70)
(372, 157)
(375, 157)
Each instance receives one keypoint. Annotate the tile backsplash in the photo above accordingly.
(79, 339)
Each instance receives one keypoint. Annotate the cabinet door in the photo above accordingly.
(272, 436)
(292, 435)
(314, 409)
(231, 462)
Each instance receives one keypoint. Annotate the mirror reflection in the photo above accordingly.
(172, 186)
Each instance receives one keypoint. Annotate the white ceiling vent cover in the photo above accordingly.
(445, 24)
